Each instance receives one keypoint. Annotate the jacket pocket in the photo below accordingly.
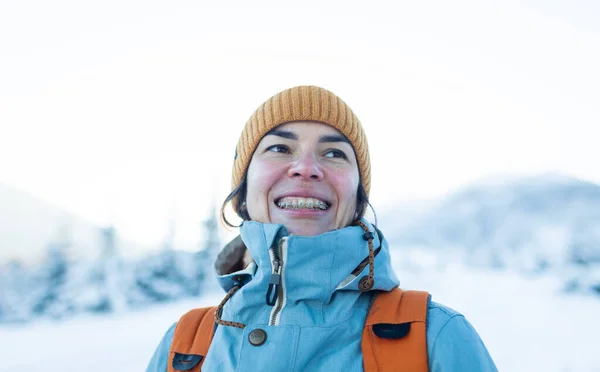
(185, 362)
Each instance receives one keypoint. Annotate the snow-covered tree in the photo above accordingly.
(113, 271)
(50, 292)
(167, 275)
(106, 289)
(16, 302)
(211, 246)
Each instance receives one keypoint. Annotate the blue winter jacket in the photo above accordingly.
(317, 320)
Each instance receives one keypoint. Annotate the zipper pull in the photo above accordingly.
(274, 283)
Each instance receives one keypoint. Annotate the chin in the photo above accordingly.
(307, 230)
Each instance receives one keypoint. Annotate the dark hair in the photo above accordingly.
(238, 195)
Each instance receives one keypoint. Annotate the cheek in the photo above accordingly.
(261, 178)
(346, 186)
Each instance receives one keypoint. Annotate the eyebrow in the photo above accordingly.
(293, 136)
(282, 133)
(333, 138)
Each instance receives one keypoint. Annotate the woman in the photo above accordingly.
(304, 272)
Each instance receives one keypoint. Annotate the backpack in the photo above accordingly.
(393, 339)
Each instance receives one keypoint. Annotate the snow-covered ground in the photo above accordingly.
(526, 323)
(120, 342)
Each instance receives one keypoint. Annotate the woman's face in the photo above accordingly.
(304, 176)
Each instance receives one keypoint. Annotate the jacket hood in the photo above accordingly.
(320, 265)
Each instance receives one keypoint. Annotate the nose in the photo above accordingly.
(306, 167)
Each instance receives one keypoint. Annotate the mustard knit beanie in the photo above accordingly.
(302, 103)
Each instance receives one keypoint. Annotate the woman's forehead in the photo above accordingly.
(306, 126)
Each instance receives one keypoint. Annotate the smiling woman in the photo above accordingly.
(303, 175)
(309, 280)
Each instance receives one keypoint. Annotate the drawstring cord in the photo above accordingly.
(237, 285)
(365, 284)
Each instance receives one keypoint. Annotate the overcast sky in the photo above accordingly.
(128, 112)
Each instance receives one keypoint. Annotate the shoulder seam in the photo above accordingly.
(437, 306)
(442, 328)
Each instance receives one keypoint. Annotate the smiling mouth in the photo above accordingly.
(296, 202)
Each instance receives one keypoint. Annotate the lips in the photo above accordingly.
(301, 202)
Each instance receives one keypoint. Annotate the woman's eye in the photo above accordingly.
(279, 148)
(335, 154)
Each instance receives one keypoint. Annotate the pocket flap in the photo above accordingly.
(185, 362)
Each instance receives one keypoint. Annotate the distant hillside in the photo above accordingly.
(28, 225)
(539, 223)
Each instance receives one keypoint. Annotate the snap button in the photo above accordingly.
(365, 284)
(257, 337)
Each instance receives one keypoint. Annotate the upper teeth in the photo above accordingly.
(296, 202)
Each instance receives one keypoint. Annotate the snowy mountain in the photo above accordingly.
(28, 225)
(535, 224)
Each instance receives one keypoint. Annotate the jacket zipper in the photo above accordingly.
(278, 256)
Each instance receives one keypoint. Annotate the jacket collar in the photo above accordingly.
(315, 266)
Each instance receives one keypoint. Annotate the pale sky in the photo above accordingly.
(128, 112)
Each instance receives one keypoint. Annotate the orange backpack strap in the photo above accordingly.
(394, 337)
(192, 338)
